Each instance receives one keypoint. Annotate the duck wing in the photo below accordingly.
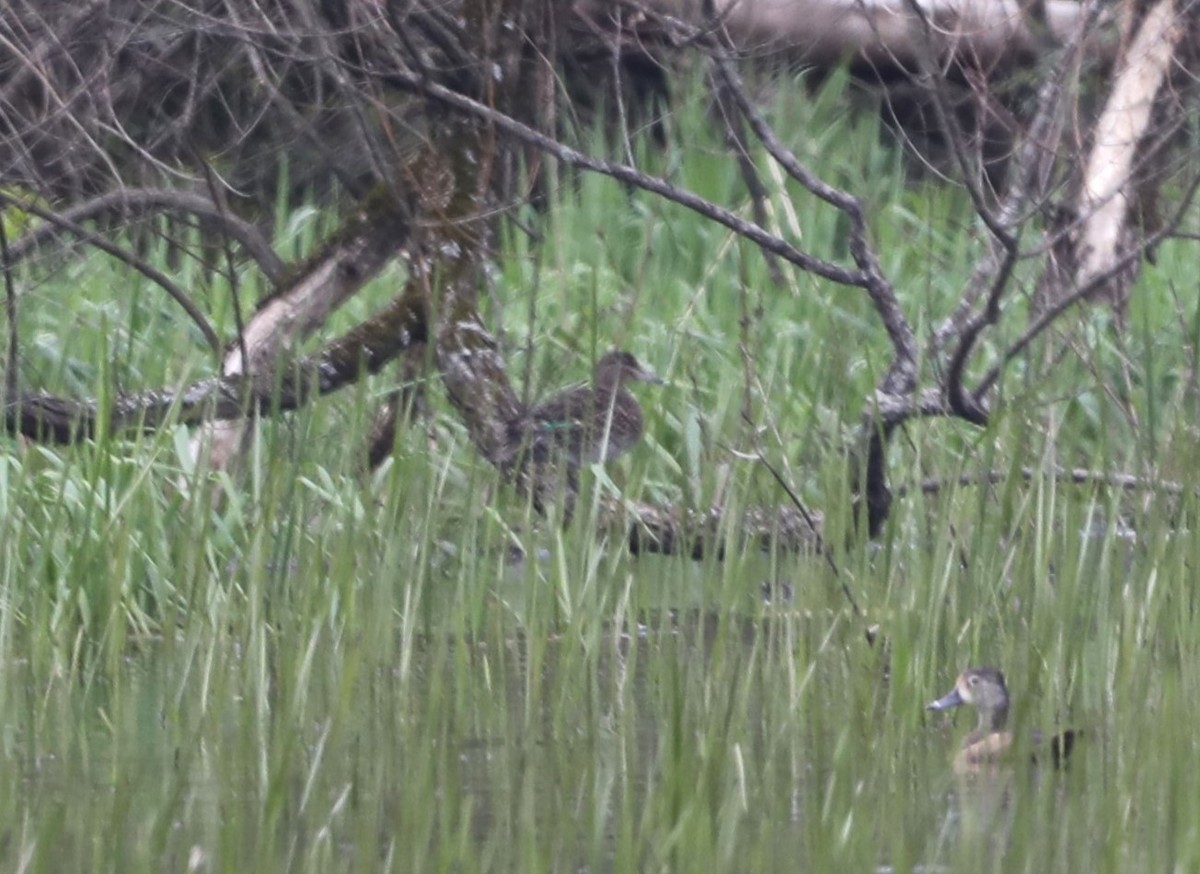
(562, 424)
(571, 409)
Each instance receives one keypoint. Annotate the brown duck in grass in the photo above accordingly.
(991, 742)
(586, 424)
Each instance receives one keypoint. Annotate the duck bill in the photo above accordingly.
(650, 376)
(946, 702)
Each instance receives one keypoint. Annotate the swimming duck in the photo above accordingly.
(587, 424)
(985, 690)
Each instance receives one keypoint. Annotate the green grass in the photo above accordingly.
(300, 668)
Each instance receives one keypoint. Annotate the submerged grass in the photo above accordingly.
(301, 668)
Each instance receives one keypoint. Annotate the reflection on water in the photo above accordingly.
(979, 814)
(639, 744)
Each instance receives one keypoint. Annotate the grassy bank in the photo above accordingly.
(298, 667)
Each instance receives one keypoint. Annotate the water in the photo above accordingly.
(637, 737)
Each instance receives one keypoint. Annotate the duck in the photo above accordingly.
(590, 424)
(985, 690)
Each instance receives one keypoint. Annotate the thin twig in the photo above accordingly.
(1064, 303)
(137, 263)
(140, 201)
(624, 173)
(239, 320)
(11, 384)
(1031, 178)
(809, 520)
(902, 373)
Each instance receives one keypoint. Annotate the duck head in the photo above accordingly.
(618, 367)
(983, 689)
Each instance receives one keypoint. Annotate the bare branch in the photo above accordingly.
(11, 382)
(1081, 293)
(970, 173)
(142, 202)
(330, 277)
(902, 373)
(363, 350)
(828, 270)
(735, 136)
(137, 263)
(1031, 179)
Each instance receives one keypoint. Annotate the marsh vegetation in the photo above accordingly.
(281, 591)
(299, 666)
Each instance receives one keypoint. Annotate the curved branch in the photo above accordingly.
(902, 374)
(1052, 312)
(1031, 181)
(415, 84)
(361, 351)
(137, 263)
(139, 201)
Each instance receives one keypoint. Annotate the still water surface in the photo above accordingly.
(763, 738)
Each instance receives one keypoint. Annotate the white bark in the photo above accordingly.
(284, 320)
(1124, 124)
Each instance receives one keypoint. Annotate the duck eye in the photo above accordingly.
(972, 680)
